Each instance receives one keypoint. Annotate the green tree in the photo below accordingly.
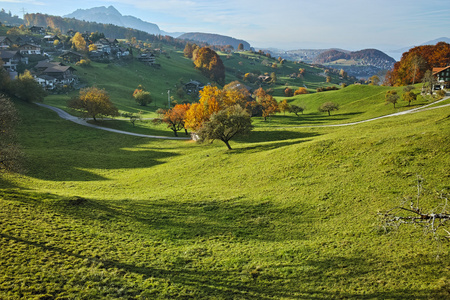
(391, 97)
(297, 109)
(9, 151)
(27, 89)
(94, 102)
(328, 107)
(409, 96)
(142, 98)
(226, 124)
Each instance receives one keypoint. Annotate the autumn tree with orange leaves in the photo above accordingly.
(414, 63)
(210, 64)
(268, 104)
(175, 118)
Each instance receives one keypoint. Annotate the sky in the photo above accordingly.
(284, 24)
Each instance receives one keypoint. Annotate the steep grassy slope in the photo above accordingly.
(288, 214)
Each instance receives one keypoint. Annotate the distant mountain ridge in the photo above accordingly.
(214, 39)
(371, 57)
(110, 15)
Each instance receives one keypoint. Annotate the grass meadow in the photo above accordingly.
(289, 213)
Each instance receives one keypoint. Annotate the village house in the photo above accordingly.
(50, 39)
(71, 57)
(53, 74)
(148, 58)
(30, 49)
(37, 30)
(5, 42)
(193, 87)
(63, 74)
(443, 77)
(11, 59)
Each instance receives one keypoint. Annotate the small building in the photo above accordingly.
(11, 59)
(193, 87)
(71, 57)
(443, 77)
(37, 30)
(103, 45)
(50, 39)
(47, 82)
(5, 42)
(71, 32)
(63, 74)
(42, 65)
(30, 49)
(148, 58)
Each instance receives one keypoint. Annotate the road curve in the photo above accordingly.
(83, 122)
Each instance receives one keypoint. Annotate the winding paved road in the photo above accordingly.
(83, 122)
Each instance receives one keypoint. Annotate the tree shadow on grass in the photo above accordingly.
(272, 139)
(309, 119)
(303, 271)
(72, 165)
(316, 279)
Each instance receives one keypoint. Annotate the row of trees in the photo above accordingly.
(414, 64)
(24, 88)
(220, 114)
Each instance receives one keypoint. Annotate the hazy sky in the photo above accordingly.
(286, 24)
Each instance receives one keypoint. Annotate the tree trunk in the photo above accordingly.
(329, 114)
(175, 132)
(228, 144)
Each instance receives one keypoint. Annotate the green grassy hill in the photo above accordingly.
(291, 213)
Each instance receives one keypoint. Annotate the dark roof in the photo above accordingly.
(58, 69)
(47, 64)
(9, 54)
(71, 52)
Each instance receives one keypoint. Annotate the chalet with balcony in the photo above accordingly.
(53, 74)
(443, 77)
(63, 74)
(148, 58)
(30, 49)
(11, 59)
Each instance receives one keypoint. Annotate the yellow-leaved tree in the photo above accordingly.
(94, 102)
(79, 42)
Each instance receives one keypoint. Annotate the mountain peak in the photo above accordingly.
(110, 15)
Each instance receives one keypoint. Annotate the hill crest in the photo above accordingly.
(214, 39)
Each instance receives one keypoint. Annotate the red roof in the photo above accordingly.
(439, 70)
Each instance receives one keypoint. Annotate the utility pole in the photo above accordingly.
(23, 11)
(168, 97)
